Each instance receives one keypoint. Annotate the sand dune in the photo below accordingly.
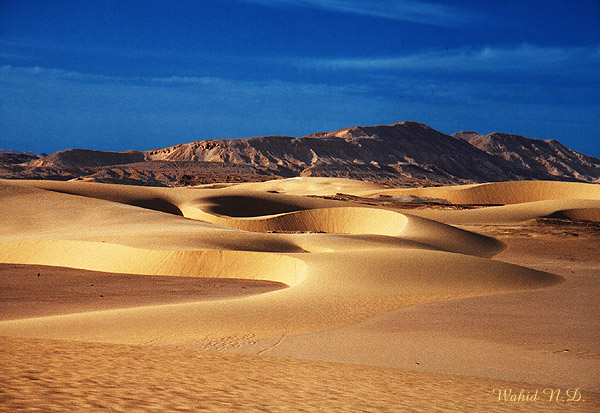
(313, 186)
(39, 290)
(398, 253)
(586, 209)
(501, 193)
(102, 256)
(585, 214)
(344, 263)
(493, 193)
(333, 293)
(406, 229)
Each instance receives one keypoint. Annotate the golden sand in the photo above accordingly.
(358, 280)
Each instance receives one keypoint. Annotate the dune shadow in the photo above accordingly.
(241, 206)
(156, 204)
(152, 203)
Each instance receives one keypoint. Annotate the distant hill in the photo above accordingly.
(538, 156)
(86, 158)
(404, 153)
(9, 156)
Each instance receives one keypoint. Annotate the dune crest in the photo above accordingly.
(124, 259)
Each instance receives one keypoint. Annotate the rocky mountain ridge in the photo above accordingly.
(538, 156)
(404, 153)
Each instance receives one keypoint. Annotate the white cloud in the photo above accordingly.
(523, 57)
(415, 11)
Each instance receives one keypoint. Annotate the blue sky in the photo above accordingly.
(123, 74)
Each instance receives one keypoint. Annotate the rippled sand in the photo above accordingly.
(419, 307)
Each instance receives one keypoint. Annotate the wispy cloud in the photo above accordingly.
(49, 109)
(491, 58)
(33, 75)
(15, 46)
(14, 56)
(415, 11)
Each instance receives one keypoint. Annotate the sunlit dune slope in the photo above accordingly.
(41, 290)
(124, 259)
(338, 288)
(315, 186)
(367, 260)
(501, 193)
(583, 209)
(410, 230)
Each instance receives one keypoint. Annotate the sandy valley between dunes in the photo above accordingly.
(280, 295)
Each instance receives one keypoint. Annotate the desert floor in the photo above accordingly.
(301, 294)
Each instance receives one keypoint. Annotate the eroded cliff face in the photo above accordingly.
(404, 153)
